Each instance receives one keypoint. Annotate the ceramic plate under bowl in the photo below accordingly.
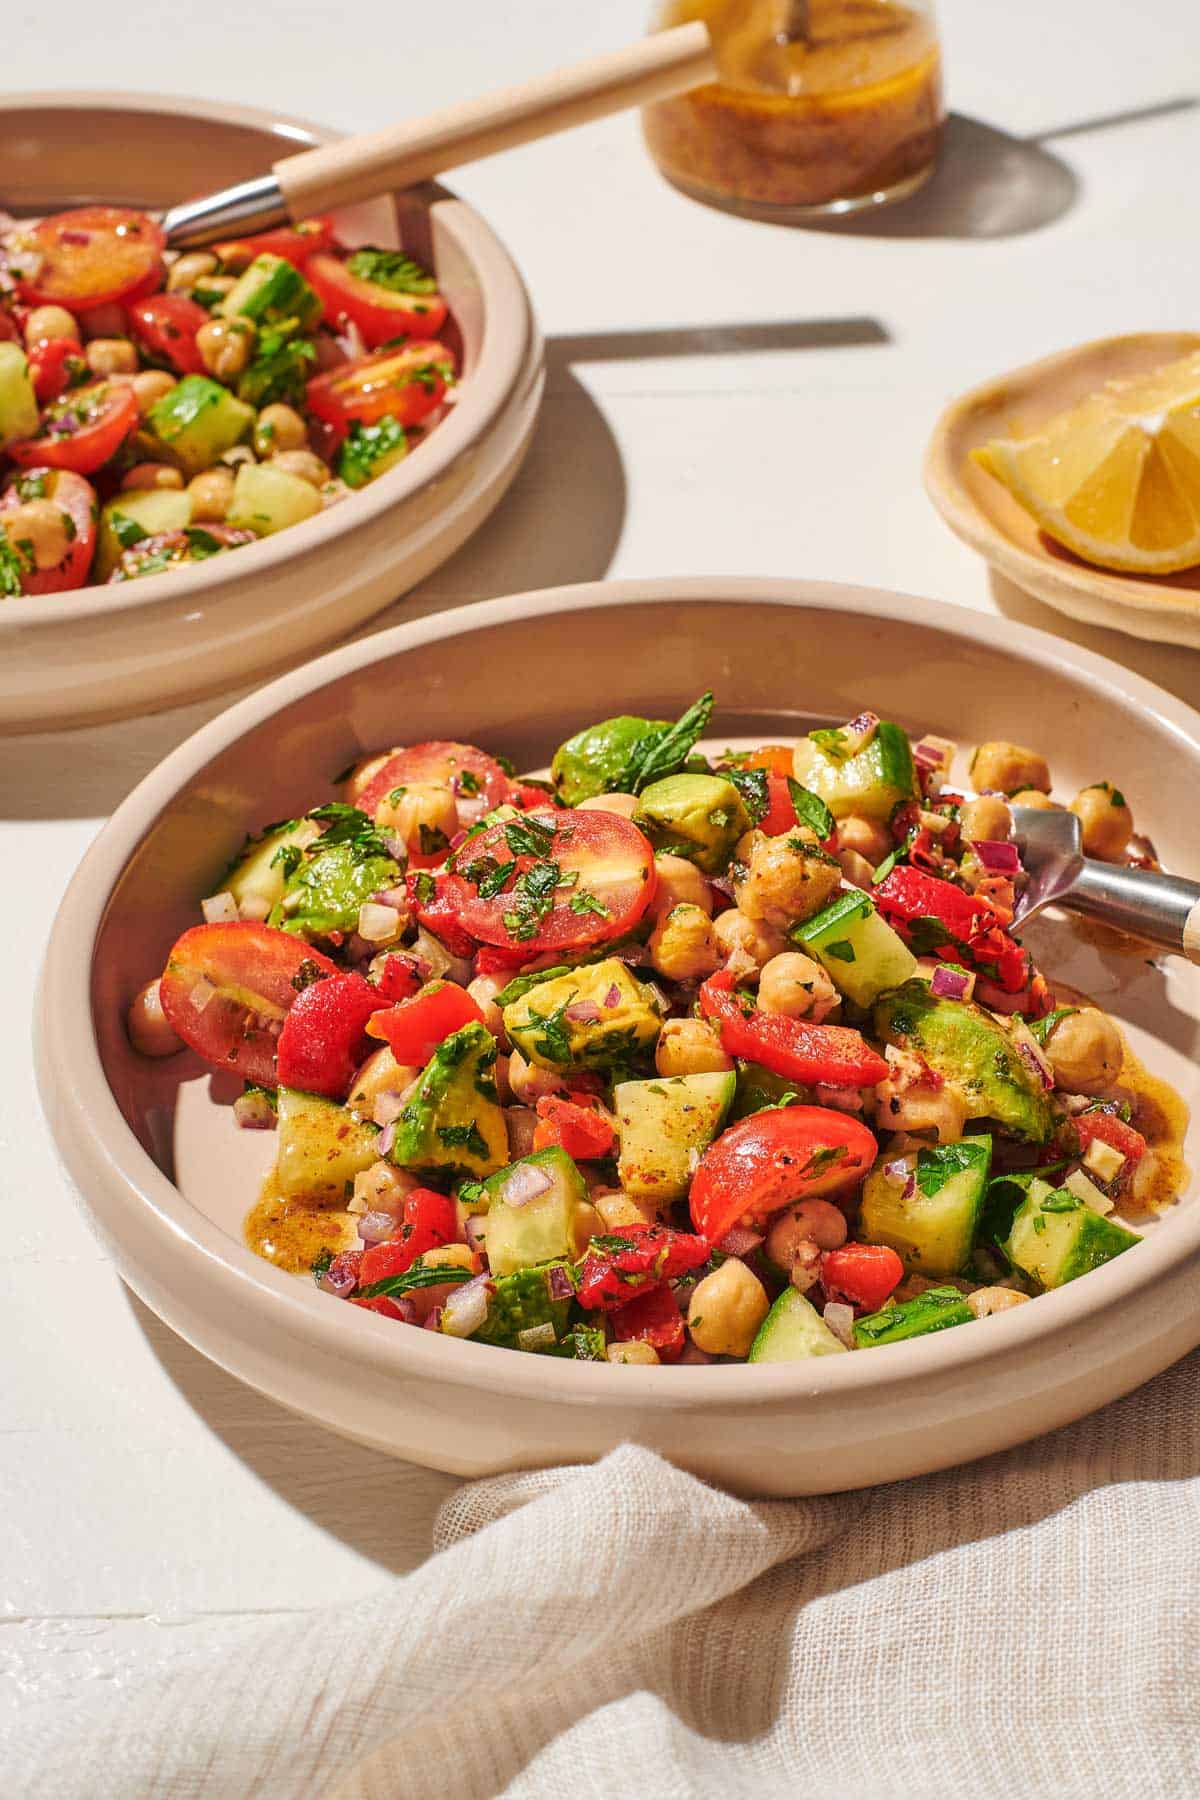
(168, 1178)
(105, 652)
(979, 510)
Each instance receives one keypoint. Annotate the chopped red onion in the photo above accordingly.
(387, 1138)
(525, 1184)
(740, 1242)
(951, 984)
(395, 846)
(219, 909)
(387, 1107)
(1033, 1059)
(840, 1320)
(933, 753)
(861, 730)
(723, 885)
(558, 1283)
(475, 1231)
(467, 1307)
(583, 1012)
(377, 924)
(254, 1112)
(897, 1171)
(392, 896)
(998, 857)
(374, 1227)
(460, 837)
(612, 998)
(339, 1285)
(201, 992)
(692, 1353)
(434, 1321)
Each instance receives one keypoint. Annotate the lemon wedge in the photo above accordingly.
(1116, 478)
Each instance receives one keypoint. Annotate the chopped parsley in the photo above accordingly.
(937, 1165)
(520, 985)
(409, 1279)
(127, 531)
(280, 367)
(390, 269)
(751, 784)
(32, 487)
(489, 875)
(346, 825)
(14, 562)
(433, 840)
(528, 837)
(831, 743)
(368, 449)
(665, 749)
(532, 899)
(885, 868)
(466, 1137)
(584, 902)
(467, 783)
(306, 974)
(201, 543)
(843, 950)
(555, 1041)
(288, 857)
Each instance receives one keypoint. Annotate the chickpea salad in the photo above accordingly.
(678, 1056)
(158, 409)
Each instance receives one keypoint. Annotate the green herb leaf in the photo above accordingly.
(367, 448)
(751, 784)
(1041, 1028)
(390, 269)
(532, 899)
(843, 950)
(664, 751)
(937, 1165)
(520, 985)
(811, 810)
(588, 903)
(393, 1286)
(528, 837)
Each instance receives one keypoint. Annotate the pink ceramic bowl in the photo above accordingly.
(107, 651)
(168, 1178)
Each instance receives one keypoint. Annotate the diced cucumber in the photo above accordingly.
(269, 291)
(935, 1310)
(138, 514)
(267, 500)
(523, 1301)
(18, 402)
(869, 784)
(792, 1331)
(261, 871)
(935, 1227)
(862, 953)
(196, 421)
(453, 1120)
(322, 1147)
(663, 1122)
(541, 1229)
(1055, 1237)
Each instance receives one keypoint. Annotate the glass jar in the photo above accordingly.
(826, 107)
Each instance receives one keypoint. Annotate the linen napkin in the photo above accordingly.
(1029, 1625)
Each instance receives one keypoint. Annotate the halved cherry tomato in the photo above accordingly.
(438, 911)
(77, 499)
(780, 815)
(652, 1318)
(835, 1055)
(605, 880)
(93, 255)
(295, 243)
(529, 798)
(475, 778)
(581, 1131)
(399, 978)
(227, 989)
(407, 384)
(324, 1035)
(776, 759)
(494, 959)
(864, 1273)
(82, 430)
(55, 365)
(786, 1153)
(165, 325)
(634, 1259)
(429, 1221)
(379, 313)
(414, 1029)
(9, 334)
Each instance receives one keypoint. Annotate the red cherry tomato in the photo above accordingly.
(776, 759)
(82, 430)
(380, 1304)
(9, 334)
(227, 989)
(92, 256)
(780, 815)
(475, 778)
(863, 1273)
(295, 243)
(165, 325)
(581, 1131)
(324, 1035)
(414, 1029)
(77, 499)
(634, 1259)
(429, 1221)
(606, 880)
(399, 978)
(833, 1054)
(55, 365)
(408, 384)
(437, 911)
(652, 1318)
(773, 1157)
(379, 313)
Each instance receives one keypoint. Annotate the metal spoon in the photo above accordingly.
(1162, 908)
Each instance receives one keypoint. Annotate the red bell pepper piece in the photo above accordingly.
(437, 910)
(634, 1259)
(324, 1035)
(578, 1129)
(498, 959)
(864, 1273)
(935, 918)
(652, 1318)
(429, 1221)
(1110, 1128)
(399, 978)
(833, 1055)
(414, 1029)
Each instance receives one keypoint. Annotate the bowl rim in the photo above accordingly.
(508, 327)
(90, 1129)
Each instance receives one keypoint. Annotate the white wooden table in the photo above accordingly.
(723, 398)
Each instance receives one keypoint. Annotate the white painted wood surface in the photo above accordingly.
(723, 397)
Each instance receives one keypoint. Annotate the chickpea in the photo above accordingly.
(146, 1023)
(796, 986)
(787, 879)
(902, 1105)
(212, 494)
(151, 475)
(690, 1047)
(301, 463)
(520, 1122)
(1106, 820)
(41, 526)
(380, 1074)
(1007, 767)
(986, 820)
(384, 1188)
(279, 427)
(871, 840)
(483, 991)
(856, 869)
(1086, 1052)
(529, 1083)
(49, 322)
(617, 1208)
(224, 346)
(748, 945)
(680, 882)
(187, 270)
(149, 388)
(1034, 798)
(808, 1222)
(363, 774)
(985, 1301)
(623, 805)
(423, 814)
(635, 1351)
(588, 1224)
(683, 945)
(726, 1309)
(111, 356)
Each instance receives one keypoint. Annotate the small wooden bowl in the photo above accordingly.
(1163, 608)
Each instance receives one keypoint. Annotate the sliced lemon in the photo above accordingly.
(1116, 478)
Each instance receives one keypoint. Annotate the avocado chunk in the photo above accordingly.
(935, 1310)
(664, 1125)
(965, 1044)
(538, 1223)
(260, 872)
(325, 887)
(598, 760)
(529, 1300)
(935, 1225)
(322, 1147)
(870, 783)
(1056, 1237)
(270, 292)
(18, 402)
(594, 1017)
(864, 957)
(453, 1122)
(196, 422)
(697, 816)
(793, 1331)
